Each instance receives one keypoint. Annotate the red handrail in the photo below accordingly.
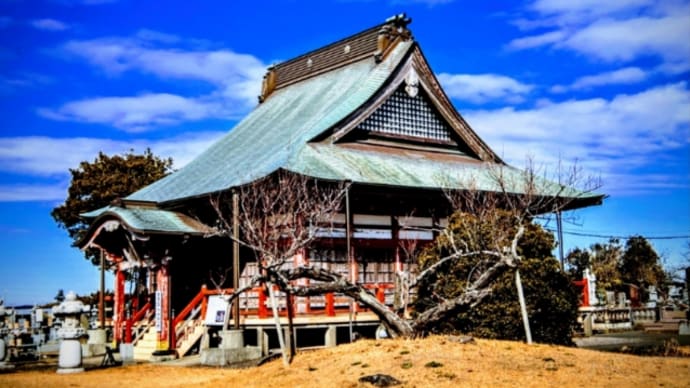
(141, 313)
(262, 311)
(190, 306)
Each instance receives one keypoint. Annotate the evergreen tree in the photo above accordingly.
(551, 299)
(96, 184)
(641, 265)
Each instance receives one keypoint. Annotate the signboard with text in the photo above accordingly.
(159, 311)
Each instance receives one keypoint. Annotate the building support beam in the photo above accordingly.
(119, 305)
(236, 257)
(101, 293)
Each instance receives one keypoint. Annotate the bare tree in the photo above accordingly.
(282, 215)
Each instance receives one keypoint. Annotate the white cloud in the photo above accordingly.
(49, 25)
(27, 155)
(583, 8)
(616, 40)
(627, 75)
(235, 78)
(135, 114)
(536, 40)
(223, 68)
(612, 31)
(478, 88)
(33, 192)
(622, 136)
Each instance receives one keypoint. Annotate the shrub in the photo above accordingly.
(550, 297)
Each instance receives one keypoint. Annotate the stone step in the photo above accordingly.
(661, 327)
(146, 345)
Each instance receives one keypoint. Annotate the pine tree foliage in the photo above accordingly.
(551, 299)
(97, 184)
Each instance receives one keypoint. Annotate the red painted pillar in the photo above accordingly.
(330, 305)
(119, 305)
(263, 311)
(585, 292)
(128, 331)
(380, 294)
(204, 301)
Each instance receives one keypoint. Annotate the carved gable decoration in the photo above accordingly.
(408, 114)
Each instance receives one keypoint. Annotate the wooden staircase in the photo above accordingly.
(194, 329)
(147, 344)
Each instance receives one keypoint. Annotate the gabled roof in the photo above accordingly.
(311, 107)
(278, 128)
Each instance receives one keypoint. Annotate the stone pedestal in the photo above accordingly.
(70, 356)
(95, 346)
(231, 339)
(588, 325)
(71, 333)
(127, 353)
(684, 333)
(4, 331)
(331, 338)
(231, 350)
(3, 356)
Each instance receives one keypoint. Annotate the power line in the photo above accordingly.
(583, 234)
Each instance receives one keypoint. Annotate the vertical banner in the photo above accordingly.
(162, 312)
(159, 311)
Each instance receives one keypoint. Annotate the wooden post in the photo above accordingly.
(350, 261)
(101, 294)
(279, 330)
(119, 304)
(559, 226)
(523, 307)
(172, 341)
(236, 257)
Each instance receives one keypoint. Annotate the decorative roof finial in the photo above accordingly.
(394, 31)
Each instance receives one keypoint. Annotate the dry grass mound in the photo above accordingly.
(436, 361)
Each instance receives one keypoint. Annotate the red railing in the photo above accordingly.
(330, 305)
(141, 313)
(133, 320)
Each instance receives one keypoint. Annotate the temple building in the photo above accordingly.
(367, 110)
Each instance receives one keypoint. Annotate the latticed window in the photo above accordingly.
(407, 116)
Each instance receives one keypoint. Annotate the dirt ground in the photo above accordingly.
(435, 361)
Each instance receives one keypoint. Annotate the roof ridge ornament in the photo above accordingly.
(412, 83)
(268, 84)
(394, 31)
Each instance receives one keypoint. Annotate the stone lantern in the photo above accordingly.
(4, 330)
(70, 311)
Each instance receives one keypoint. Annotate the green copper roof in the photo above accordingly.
(418, 170)
(149, 220)
(276, 130)
(276, 136)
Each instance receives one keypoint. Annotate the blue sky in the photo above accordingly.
(602, 84)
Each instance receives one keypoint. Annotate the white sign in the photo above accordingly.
(215, 310)
(159, 312)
